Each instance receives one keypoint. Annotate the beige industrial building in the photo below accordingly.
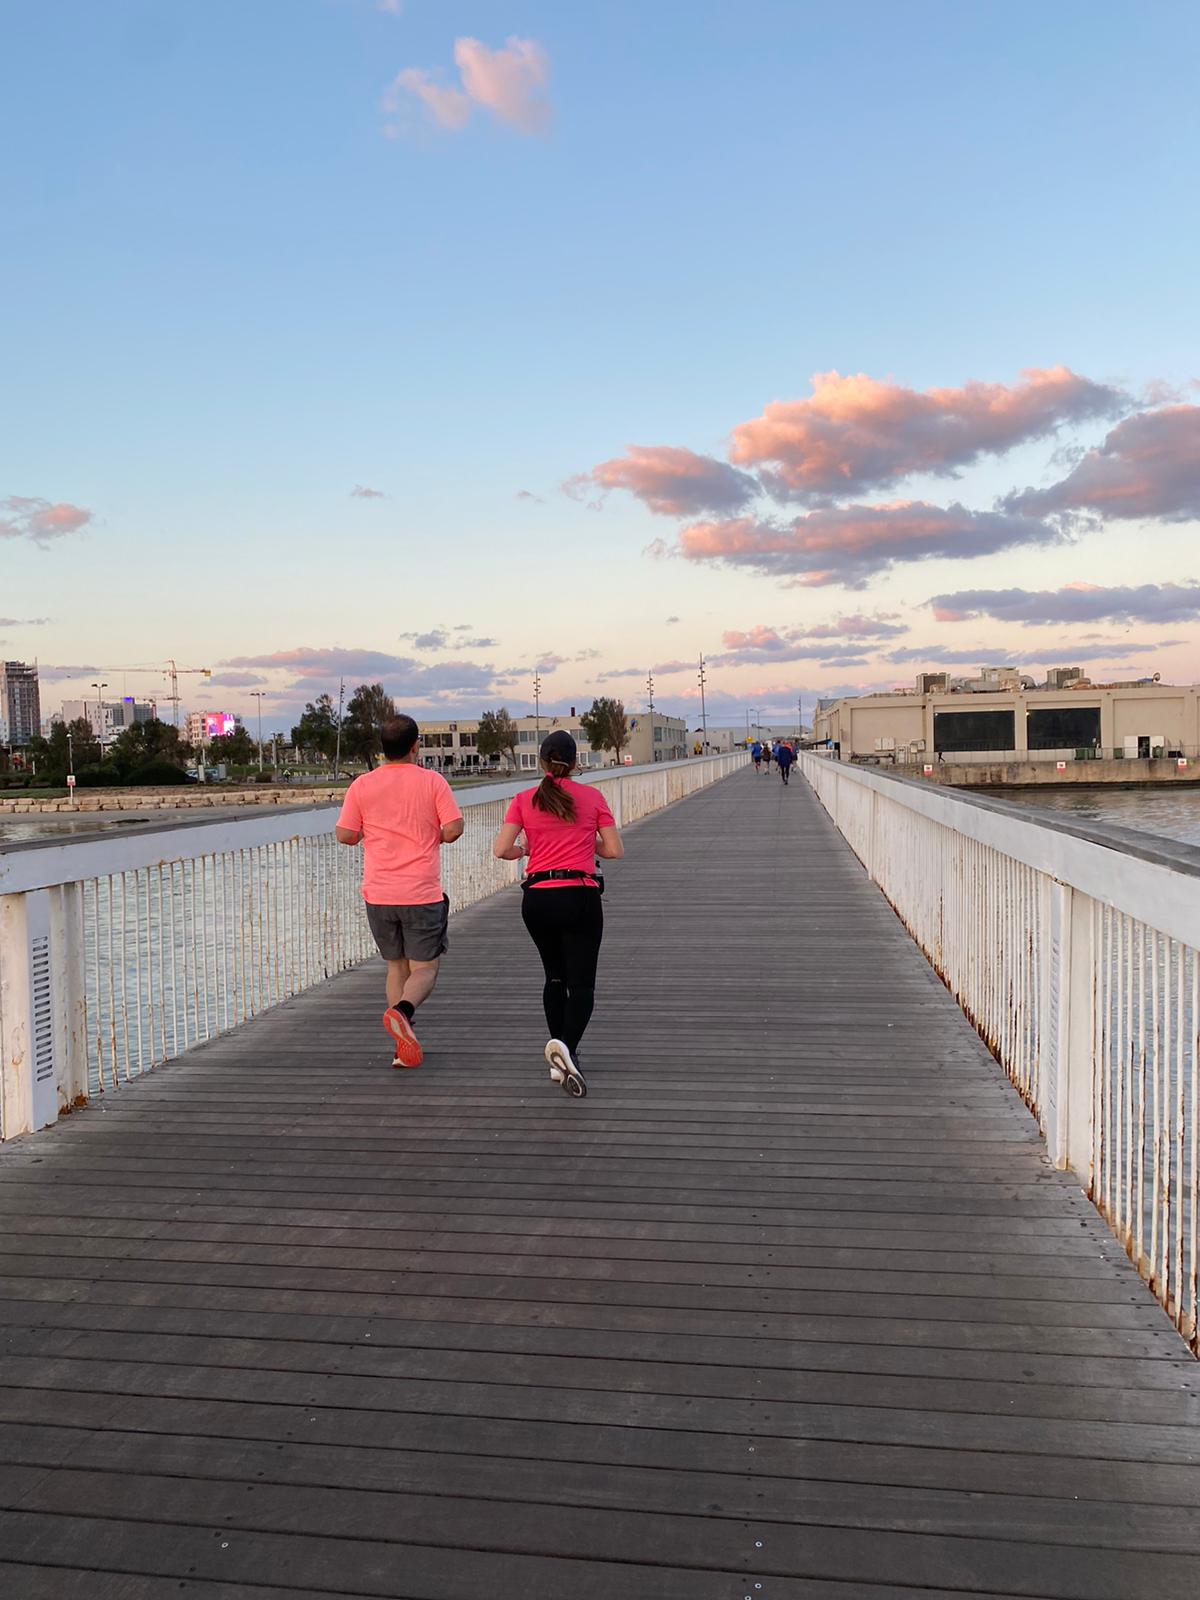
(1085, 720)
(454, 743)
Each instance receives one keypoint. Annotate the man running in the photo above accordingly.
(785, 755)
(403, 813)
(756, 753)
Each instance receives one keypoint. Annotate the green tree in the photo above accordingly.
(367, 708)
(145, 742)
(605, 725)
(315, 735)
(236, 749)
(498, 735)
(54, 755)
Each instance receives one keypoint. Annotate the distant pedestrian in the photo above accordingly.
(403, 814)
(785, 755)
(756, 755)
(566, 825)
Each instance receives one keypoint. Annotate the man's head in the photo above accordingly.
(398, 737)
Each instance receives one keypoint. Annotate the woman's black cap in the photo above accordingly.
(559, 746)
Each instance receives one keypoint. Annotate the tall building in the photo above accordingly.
(109, 718)
(20, 702)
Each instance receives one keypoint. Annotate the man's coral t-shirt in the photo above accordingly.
(400, 809)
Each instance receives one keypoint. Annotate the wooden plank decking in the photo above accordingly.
(791, 1306)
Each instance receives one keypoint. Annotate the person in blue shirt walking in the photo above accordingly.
(785, 755)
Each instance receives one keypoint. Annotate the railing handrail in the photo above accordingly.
(1150, 880)
(47, 863)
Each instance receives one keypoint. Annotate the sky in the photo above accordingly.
(433, 343)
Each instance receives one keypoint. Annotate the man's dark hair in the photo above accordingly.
(397, 737)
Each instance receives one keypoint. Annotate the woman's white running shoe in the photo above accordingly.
(563, 1070)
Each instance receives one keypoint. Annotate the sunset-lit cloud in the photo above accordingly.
(236, 680)
(32, 517)
(320, 668)
(1148, 466)
(362, 492)
(439, 639)
(857, 433)
(23, 622)
(1075, 602)
(671, 481)
(849, 544)
(838, 641)
(510, 82)
(762, 644)
(1038, 655)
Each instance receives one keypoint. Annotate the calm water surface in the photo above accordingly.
(1170, 813)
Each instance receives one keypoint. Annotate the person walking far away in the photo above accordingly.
(566, 826)
(756, 751)
(403, 813)
(785, 755)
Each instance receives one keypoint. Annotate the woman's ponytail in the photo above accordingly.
(558, 755)
(550, 796)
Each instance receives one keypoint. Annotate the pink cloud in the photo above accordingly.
(361, 492)
(1148, 466)
(449, 107)
(31, 517)
(848, 544)
(856, 432)
(510, 83)
(672, 481)
(762, 644)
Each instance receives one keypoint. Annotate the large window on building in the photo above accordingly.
(1064, 728)
(973, 730)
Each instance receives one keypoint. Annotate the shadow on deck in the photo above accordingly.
(792, 1305)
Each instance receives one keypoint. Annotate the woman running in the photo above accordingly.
(566, 826)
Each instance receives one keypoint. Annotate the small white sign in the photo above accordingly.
(1181, 762)
(70, 780)
(927, 770)
(1061, 766)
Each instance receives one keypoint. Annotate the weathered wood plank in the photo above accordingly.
(792, 1299)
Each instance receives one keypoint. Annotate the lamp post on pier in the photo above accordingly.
(537, 703)
(701, 680)
(650, 692)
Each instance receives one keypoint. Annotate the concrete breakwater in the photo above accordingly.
(1165, 772)
(178, 798)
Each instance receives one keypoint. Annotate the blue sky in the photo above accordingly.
(237, 287)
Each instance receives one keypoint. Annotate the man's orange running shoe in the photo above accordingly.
(408, 1046)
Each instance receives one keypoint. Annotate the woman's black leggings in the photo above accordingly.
(567, 926)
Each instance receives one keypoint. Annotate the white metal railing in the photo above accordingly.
(119, 951)
(1076, 954)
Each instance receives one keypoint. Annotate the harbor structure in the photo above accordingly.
(1004, 714)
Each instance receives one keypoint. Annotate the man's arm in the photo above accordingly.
(452, 830)
(347, 835)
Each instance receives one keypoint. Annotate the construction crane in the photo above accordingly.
(167, 670)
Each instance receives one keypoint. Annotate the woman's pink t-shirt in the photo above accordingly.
(556, 845)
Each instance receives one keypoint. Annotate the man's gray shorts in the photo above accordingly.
(411, 933)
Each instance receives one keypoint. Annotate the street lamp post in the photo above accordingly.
(701, 679)
(337, 753)
(650, 692)
(99, 688)
(257, 694)
(537, 703)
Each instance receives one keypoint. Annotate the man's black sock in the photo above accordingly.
(405, 1008)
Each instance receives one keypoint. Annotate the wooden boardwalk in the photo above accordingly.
(791, 1306)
